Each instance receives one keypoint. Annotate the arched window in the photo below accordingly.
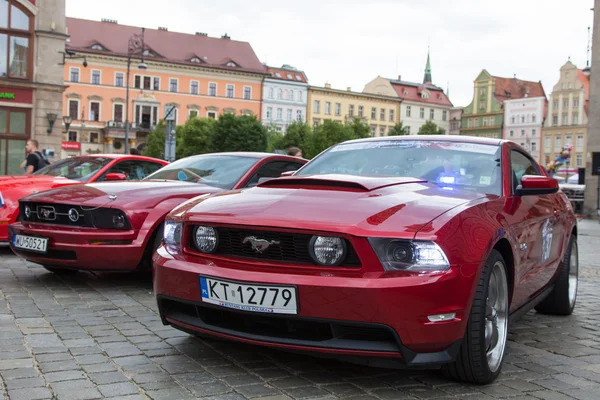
(270, 93)
(291, 96)
(280, 94)
(16, 27)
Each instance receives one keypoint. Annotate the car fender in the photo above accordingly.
(156, 215)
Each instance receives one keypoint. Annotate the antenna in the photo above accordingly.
(587, 64)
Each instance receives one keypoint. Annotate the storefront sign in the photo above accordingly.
(7, 95)
(70, 146)
(17, 95)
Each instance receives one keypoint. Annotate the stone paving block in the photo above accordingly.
(118, 389)
(40, 393)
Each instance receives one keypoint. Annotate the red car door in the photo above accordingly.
(533, 224)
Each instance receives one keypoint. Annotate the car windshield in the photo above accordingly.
(448, 164)
(214, 170)
(77, 168)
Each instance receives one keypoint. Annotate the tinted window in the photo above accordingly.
(521, 165)
(214, 170)
(134, 169)
(450, 164)
(272, 169)
(78, 168)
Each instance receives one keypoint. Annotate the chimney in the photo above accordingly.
(349, 89)
(162, 28)
(225, 37)
(328, 86)
(112, 21)
(201, 34)
(399, 77)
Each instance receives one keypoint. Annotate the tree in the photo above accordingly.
(156, 142)
(398, 130)
(360, 129)
(238, 133)
(327, 135)
(295, 135)
(196, 137)
(430, 128)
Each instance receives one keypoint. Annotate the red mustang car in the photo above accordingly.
(70, 171)
(410, 251)
(117, 226)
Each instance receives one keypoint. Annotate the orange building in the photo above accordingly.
(199, 75)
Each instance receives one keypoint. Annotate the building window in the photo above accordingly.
(156, 83)
(482, 92)
(566, 103)
(289, 114)
(212, 89)
(533, 118)
(74, 109)
(565, 119)
(522, 119)
(579, 160)
(533, 146)
(194, 87)
(118, 113)
(444, 115)
(408, 130)
(94, 137)
(351, 110)
(568, 140)
(271, 92)
(94, 111)
(119, 79)
(476, 122)
(74, 72)
(280, 94)
(485, 122)
(15, 40)
(360, 111)
(408, 111)
(522, 132)
(373, 114)
(392, 116)
(299, 116)
(291, 96)
(137, 82)
(147, 82)
(95, 77)
(575, 103)
(300, 96)
(327, 108)
(269, 113)
(579, 143)
(279, 114)
(173, 85)
(547, 143)
(432, 114)
(373, 130)
(555, 104)
(382, 114)
(316, 123)
(481, 104)
(422, 113)
(534, 132)
(575, 119)
(317, 106)
(382, 131)
(72, 137)
(512, 133)
(512, 120)
(470, 123)
(338, 109)
(230, 92)
(555, 120)
(557, 143)
(193, 114)
(247, 92)
(212, 114)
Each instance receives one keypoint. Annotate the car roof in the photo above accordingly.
(249, 154)
(117, 156)
(434, 138)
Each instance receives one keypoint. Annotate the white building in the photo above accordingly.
(523, 121)
(284, 97)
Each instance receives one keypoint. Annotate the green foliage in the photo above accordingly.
(331, 133)
(295, 136)
(243, 133)
(398, 130)
(156, 142)
(430, 128)
(196, 136)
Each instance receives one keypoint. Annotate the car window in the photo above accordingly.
(134, 169)
(521, 165)
(77, 168)
(272, 169)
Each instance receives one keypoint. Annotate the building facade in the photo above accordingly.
(567, 121)
(523, 120)
(591, 203)
(285, 93)
(381, 113)
(485, 115)
(200, 76)
(32, 37)
(455, 120)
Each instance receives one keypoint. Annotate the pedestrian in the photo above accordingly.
(295, 152)
(35, 160)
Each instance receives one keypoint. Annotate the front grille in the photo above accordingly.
(58, 214)
(283, 329)
(289, 247)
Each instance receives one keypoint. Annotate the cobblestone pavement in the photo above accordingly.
(92, 336)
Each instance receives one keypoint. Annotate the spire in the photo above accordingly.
(427, 77)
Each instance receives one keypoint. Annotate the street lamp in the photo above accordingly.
(136, 43)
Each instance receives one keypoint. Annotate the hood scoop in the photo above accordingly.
(351, 183)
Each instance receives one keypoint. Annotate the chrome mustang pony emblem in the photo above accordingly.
(259, 245)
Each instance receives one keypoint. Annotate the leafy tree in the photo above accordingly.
(398, 130)
(156, 142)
(430, 128)
(196, 137)
(327, 135)
(238, 133)
(295, 135)
(359, 128)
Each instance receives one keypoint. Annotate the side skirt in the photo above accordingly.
(525, 308)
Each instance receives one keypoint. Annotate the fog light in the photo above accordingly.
(27, 212)
(441, 317)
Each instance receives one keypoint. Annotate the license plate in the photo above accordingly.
(30, 243)
(259, 298)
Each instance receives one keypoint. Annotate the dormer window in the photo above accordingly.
(98, 47)
(148, 53)
(298, 78)
(289, 76)
(196, 60)
(405, 91)
(425, 95)
(277, 74)
(231, 64)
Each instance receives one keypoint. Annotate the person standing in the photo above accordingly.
(295, 152)
(35, 160)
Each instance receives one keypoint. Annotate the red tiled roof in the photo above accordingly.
(512, 88)
(585, 80)
(172, 47)
(412, 92)
(287, 74)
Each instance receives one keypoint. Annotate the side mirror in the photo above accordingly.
(115, 176)
(288, 173)
(533, 185)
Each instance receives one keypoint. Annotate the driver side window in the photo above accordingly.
(521, 165)
(272, 169)
(133, 169)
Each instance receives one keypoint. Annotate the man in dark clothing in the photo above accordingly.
(35, 159)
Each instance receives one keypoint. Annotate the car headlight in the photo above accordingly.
(110, 218)
(408, 255)
(172, 234)
(1, 200)
(206, 239)
(326, 250)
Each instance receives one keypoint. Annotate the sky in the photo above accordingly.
(348, 43)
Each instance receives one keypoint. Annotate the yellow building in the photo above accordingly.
(381, 113)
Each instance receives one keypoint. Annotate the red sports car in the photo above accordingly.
(410, 251)
(70, 171)
(117, 226)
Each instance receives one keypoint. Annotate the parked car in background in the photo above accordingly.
(117, 226)
(67, 172)
(407, 251)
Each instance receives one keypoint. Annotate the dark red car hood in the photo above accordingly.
(388, 207)
(132, 195)
(12, 181)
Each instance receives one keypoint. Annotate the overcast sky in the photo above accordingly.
(350, 42)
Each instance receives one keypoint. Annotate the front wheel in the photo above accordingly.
(482, 350)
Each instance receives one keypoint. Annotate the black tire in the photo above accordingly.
(471, 364)
(61, 271)
(559, 301)
(153, 244)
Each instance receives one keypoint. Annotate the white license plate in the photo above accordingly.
(272, 299)
(30, 243)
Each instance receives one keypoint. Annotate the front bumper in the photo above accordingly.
(73, 248)
(373, 317)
